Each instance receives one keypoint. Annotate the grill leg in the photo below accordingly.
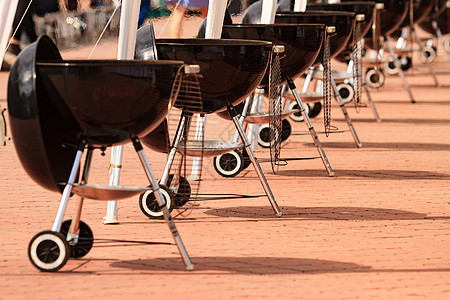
(253, 159)
(68, 189)
(242, 117)
(372, 104)
(173, 151)
(416, 37)
(400, 71)
(162, 204)
(253, 129)
(344, 111)
(259, 92)
(313, 133)
(308, 79)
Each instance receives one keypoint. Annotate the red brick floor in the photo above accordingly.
(379, 229)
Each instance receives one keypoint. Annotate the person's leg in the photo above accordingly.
(143, 11)
(16, 29)
(175, 20)
(29, 27)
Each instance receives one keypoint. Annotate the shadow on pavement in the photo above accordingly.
(407, 121)
(387, 145)
(243, 265)
(344, 213)
(439, 102)
(364, 174)
(216, 265)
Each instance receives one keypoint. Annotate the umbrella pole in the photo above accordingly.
(127, 39)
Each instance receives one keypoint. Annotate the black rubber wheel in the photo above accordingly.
(247, 161)
(286, 130)
(229, 164)
(297, 117)
(48, 251)
(315, 110)
(264, 136)
(184, 192)
(406, 63)
(346, 91)
(150, 207)
(374, 78)
(85, 239)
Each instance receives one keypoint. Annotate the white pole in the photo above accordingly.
(127, 39)
(214, 21)
(197, 161)
(269, 8)
(300, 5)
(7, 13)
(128, 28)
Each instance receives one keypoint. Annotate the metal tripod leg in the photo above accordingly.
(253, 129)
(242, 117)
(68, 189)
(251, 155)
(399, 67)
(173, 151)
(344, 111)
(259, 93)
(162, 204)
(306, 84)
(372, 104)
(313, 133)
(416, 37)
(308, 79)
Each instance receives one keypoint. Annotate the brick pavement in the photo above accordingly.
(379, 229)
